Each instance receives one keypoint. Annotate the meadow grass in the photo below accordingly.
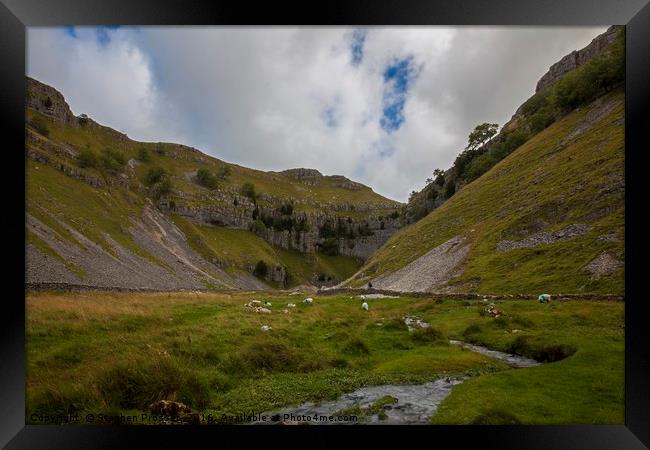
(118, 352)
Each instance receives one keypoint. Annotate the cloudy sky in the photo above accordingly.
(381, 105)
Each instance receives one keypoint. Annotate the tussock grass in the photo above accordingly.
(119, 352)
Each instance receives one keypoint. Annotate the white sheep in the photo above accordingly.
(291, 305)
(308, 301)
(265, 328)
(268, 304)
(364, 305)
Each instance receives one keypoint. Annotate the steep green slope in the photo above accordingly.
(576, 80)
(565, 177)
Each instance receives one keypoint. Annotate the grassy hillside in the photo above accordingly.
(90, 187)
(179, 161)
(569, 173)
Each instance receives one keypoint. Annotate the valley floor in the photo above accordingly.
(117, 353)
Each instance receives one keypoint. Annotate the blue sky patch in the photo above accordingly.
(384, 148)
(331, 117)
(70, 31)
(102, 33)
(356, 47)
(103, 38)
(398, 78)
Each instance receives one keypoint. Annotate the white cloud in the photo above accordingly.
(275, 98)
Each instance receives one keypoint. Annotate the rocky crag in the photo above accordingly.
(580, 57)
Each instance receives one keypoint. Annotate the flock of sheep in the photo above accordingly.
(259, 307)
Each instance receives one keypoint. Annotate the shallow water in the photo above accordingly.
(416, 403)
(513, 360)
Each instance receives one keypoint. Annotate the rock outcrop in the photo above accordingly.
(544, 237)
(577, 58)
(307, 232)
(48, 101)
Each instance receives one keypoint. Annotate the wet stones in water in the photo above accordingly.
(413, 323)
(385, 404)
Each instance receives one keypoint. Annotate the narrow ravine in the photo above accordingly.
(415, 403)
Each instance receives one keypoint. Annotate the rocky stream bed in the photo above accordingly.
(389, 403)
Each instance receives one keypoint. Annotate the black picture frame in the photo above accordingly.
(16, 15)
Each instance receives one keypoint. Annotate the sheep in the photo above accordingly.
(268, 304)
(364, 305)
(291, 305)
(265, 328)
(308, 301)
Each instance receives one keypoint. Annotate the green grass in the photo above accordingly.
(586, 387)
(537, 182)
(207, 351)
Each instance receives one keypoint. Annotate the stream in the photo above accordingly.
(416, 403)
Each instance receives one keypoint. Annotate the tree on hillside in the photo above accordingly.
(143, 155)
(439, 177)
(207, 179)
(450, 188)
(248, 190)
(481, 134)
(86, 158)
(224, 172)
(155, 175)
